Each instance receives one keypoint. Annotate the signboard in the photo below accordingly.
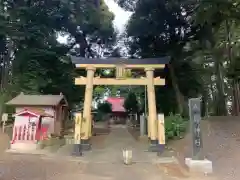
(120, 72)
(4, 117)
(195, 119)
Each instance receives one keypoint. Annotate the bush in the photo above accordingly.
(175, 126)
(98, 116)
(104, 108)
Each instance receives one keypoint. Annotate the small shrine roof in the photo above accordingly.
(37, 100)
(33, 111)
(117, 104)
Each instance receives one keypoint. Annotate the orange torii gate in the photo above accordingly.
(121, 65)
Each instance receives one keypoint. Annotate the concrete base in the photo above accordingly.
(77, 150)
(85, 145)
(155, 147)
(21, 146)
(199, 166)
(161, 148)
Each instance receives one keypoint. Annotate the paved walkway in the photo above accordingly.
(98, 164)
(107, 162)
(118, 140)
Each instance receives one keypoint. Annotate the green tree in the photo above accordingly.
(160, 28)
(202, 39)
(104, 107)
(131, 103)
(33, 60)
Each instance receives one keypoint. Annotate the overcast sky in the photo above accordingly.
(121, 16)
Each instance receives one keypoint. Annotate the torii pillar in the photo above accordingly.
(152, 110)
(87, 119)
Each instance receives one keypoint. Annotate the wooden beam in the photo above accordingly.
(129, 81)
(127, 66)
(145, 61)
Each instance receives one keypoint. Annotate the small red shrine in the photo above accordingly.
(36, 117)
(119, 114)
(28, 125)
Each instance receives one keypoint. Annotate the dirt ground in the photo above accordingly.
(33, 167)
(4, 141)
(221, 141)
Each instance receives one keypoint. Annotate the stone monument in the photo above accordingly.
(197, 162)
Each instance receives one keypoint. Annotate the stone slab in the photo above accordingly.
(199, 166)
(164, 160)
(23, 146)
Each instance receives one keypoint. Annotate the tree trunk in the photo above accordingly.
(235, 99)
(235, 84)
(213, 95)
(205, 102)
(179, 96)
(221, 108)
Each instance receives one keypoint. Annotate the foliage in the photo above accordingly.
(175, 126)
(202, 39)
(131, 103)
(104, 107)
(33, 60)
(103, 111)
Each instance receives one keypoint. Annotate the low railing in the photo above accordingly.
(24, 133)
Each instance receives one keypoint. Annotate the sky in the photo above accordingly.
(121, 16)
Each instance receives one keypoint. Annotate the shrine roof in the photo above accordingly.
(117, 104)
(33, 111)
(82, 60)
(37, 100)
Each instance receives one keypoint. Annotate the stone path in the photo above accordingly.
(118, 140)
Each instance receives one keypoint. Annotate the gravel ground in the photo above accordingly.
(221, 141)
(33, 167)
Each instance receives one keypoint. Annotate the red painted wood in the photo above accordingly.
(117, 104)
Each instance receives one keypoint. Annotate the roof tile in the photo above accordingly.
(117, 104)
(39, 100)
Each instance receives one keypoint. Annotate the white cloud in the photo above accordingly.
(121, 19)
(121, 16)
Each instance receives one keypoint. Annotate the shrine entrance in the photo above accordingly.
(155, 123)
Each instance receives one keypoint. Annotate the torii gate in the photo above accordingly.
(121, 65)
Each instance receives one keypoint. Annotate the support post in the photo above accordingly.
(142, 126)
(4, 120)
(152, 110)
(148, 127)
(87, 108)
(77, 149)
(90, 127)
(161, 133)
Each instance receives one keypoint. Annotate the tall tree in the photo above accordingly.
(160, 28)
(36, 61)
(131, 103)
